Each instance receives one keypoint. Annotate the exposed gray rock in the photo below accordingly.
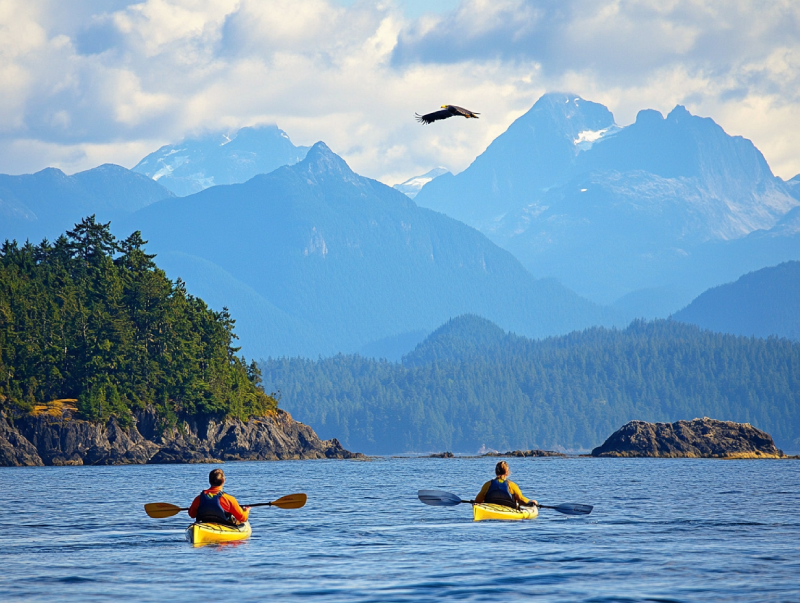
(699, 438)
(524, 453)
(15, 449)
(49, 440)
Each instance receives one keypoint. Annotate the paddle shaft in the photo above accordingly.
(559, 509)
(269, 504)
(440, 498)
(162, 510)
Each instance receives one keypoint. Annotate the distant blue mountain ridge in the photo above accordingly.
(197, 163)
(314, 259)
(649, 215)
(47, 203)
(759, 304)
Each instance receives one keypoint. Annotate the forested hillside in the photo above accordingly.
(471, 384)
(94, 319)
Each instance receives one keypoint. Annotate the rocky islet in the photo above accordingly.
(698, 438)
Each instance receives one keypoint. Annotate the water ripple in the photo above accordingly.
(682, 530)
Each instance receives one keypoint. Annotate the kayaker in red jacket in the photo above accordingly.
(215, 506)
(502, 491)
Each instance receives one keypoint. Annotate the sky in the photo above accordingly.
(86, 82)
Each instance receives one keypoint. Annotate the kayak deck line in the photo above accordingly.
(210, 533)
(484, 511)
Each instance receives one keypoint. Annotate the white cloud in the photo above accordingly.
(120, 78)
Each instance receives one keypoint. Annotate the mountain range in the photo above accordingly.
(198, 163)
(315, 259)
(647, 216)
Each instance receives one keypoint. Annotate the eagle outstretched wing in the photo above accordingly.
(429, 118)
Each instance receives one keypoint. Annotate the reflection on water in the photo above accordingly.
(667, 530)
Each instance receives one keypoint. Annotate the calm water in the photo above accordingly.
(662, 530)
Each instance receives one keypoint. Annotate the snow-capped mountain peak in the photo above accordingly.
(198, 163)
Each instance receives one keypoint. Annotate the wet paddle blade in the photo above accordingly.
(573, 509)
(290, 501)
(438, 498)
(161, 510)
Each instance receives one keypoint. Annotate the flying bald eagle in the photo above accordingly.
(447, 111)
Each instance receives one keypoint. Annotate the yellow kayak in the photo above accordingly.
(209, 533)
(481, 511)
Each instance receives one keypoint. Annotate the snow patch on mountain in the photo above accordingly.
(587, 138)
(413, 185)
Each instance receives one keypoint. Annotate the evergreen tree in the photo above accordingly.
(90, 318)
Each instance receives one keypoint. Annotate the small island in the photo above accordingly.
(105, 361)
(698, 438)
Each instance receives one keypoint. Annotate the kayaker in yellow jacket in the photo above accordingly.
(215, 506)
(502, 491)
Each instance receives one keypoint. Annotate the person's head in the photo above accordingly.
(216, 478)
(501, 469)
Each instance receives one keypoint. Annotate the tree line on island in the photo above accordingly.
(92, 318)
(472, 384)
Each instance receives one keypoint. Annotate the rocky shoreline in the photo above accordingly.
(698, 438)
(511, 453)
(526, 453)
(45, 439)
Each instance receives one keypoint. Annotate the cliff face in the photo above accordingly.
(49, 440)
(699, 438)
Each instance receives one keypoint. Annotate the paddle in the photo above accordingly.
(439, 498)
(161, 510)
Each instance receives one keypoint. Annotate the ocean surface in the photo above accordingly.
(661, 530)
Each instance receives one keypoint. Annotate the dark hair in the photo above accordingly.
(501, 468)
(216, 477)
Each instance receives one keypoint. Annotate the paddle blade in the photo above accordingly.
(161, 510)
(573, 509)
(290, 501)
(438, 498)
